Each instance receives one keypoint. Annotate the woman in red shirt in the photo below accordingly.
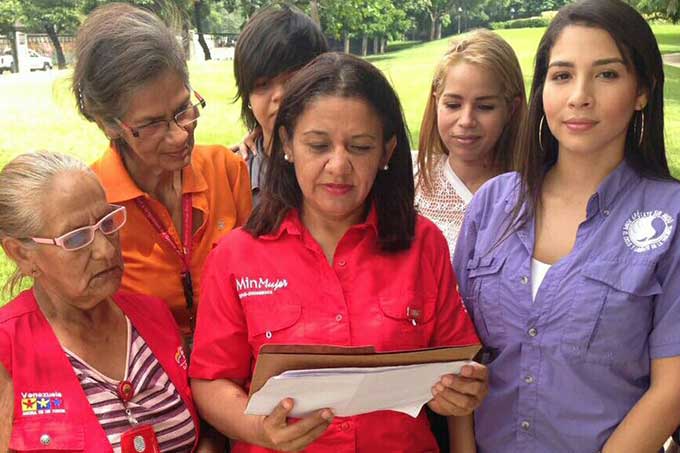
(333, 254)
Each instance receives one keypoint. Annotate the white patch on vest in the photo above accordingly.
(648, 230)
(258, 286)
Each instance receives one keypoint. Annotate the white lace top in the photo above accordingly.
(445, 205)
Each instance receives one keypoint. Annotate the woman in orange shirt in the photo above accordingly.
(131, 79)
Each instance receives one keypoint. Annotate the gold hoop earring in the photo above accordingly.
(540, 133)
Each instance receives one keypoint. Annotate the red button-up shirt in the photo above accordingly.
(280, 288)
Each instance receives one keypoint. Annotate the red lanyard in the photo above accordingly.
(187, 221)
(184, 253)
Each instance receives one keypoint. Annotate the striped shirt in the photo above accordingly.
(155, 400)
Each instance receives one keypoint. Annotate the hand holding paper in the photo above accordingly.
(458, 395)
(281, 436)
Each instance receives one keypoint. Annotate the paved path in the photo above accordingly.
(672, 59)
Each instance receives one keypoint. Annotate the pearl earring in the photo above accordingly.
(286, 158)
(386, 167)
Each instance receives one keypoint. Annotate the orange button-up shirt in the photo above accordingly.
(218, 182)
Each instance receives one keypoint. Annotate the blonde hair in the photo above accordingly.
(491, 52)
(24, 181)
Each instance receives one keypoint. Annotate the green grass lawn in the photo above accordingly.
(38, 110)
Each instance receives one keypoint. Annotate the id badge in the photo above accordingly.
(140, 439)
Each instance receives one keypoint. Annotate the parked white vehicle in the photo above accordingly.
(36, 62)
(6, 61)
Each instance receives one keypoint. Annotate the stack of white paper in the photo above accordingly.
(353, 391)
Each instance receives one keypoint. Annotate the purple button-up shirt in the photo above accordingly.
(572, 364)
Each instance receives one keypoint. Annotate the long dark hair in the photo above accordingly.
(640, 51)
(336, 74)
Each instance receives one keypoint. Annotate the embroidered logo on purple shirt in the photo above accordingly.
(645, 231)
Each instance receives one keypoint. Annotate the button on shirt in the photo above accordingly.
(280, 288)
(573, 363)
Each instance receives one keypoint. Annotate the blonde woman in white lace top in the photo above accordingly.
(472, 123)
(445, 204)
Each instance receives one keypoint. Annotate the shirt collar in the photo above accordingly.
(120, 187)
(292, 224)
(513, 195)
(613, 186)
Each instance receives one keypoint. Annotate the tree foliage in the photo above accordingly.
(339, 19)
(63, 15)
(9, 14)
(669, 9)
(53, 17)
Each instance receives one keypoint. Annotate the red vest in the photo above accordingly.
(51, 411)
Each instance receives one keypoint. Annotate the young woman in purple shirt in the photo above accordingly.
(570, 268)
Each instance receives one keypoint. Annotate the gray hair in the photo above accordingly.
(120, 48)
(24, 181)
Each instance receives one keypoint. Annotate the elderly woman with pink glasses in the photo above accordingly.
(83, 367)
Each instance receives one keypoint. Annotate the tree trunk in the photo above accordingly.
(376, 45)
(199, 29)
(314, 12)
(52, 34)
(383, 44)
(15, 52)
(439, 29)
(433, 26)
(346, 39)
(364, 46)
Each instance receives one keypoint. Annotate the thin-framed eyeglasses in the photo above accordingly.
(84, 236)
(159, 128)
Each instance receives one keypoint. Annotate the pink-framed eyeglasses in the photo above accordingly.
(84, 236)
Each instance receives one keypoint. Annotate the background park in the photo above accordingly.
(38, 110)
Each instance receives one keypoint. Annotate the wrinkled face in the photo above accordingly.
(471, 112)
(337, 150)
(265, 99)
(589, 95)
(86, 276)
(160, 99)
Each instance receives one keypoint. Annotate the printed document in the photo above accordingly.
(353, 391)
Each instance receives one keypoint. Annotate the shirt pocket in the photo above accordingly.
(611, 315)
(273, 321)
(484, 275)
(407, 320)
(29, 435)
